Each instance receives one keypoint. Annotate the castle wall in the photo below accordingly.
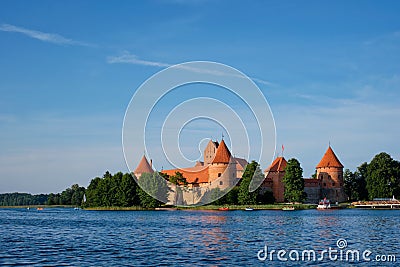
(312, 187)
(278, 187)
(332, 177)
(222, 175)
(332, 183)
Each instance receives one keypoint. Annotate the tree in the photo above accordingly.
(231, 198)
(383, 177)
(294, 182)
(266, 198)
(127, 192)
(215, 194)
(153, 190)
(93, 198)
(360, 179)
(245, 197)
(349, 184)
(77, 195)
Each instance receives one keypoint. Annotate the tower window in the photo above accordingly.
(333, 184)
(219, 174)
(324, 184)
(220, 182)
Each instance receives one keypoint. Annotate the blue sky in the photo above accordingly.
(330, 71)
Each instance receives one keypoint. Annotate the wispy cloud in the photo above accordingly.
(382, 39)
(129, 58)
(42, 36)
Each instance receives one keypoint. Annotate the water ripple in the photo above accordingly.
(64, 237)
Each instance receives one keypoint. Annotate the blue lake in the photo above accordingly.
(68, 237)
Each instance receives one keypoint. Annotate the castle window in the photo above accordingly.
(219, 174)
(324, 184)
(333, 184)
(220, 182)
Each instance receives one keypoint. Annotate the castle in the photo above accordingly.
(220, 169)
(328, 181)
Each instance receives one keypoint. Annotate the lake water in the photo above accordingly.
(67, 237)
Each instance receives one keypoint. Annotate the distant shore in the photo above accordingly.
(169, 207)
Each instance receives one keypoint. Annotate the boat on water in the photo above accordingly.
(288, 208)
(249, 209)
(324, 204)
(39, 208)
(166, 208)
(223, 208)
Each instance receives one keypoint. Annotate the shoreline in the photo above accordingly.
(170, 207)
(277, 207)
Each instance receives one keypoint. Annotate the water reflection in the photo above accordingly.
(184, 238)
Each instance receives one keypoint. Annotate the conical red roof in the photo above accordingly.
(278, 165)
(144, 166)
(223, 154)
(329, 160)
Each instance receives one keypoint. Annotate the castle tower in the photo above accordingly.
(330, 172)
(143, 167)
(275, 172)
(209, 152)
(222, 170)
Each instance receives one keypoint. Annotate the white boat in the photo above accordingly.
(249, 209)
(324, 204)
(288, 208)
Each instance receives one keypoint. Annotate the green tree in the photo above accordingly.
(77, 195)
(360, 178)
(231, 198)
(383, 177)
(266, 198)
(294, 182)
(93, 197)
(350, 185)
(245, 197)
(127, 192)
(152, 185)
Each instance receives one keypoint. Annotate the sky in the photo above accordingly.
(330, 71)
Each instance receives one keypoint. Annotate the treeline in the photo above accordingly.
(121, 190)
(378, 179)
(70, 196)
(22, 199)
